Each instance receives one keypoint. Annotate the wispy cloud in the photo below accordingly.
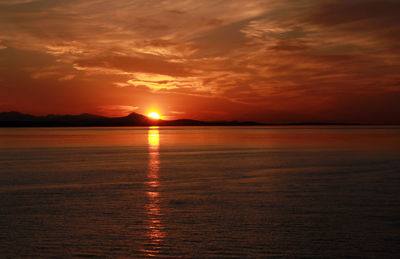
(275, 55)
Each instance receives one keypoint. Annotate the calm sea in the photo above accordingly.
(198, 192)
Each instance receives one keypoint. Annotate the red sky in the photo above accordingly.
(269, 60)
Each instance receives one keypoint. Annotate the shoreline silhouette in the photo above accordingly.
(17, 119)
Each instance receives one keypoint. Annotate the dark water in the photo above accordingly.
(200, 192)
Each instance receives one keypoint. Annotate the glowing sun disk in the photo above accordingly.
(154, 115)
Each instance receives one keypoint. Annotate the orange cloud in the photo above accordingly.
(293, 60)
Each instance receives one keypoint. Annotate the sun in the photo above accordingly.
(154, 115)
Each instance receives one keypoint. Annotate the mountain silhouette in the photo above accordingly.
(17, 119)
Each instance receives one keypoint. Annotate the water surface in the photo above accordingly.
(200, 192)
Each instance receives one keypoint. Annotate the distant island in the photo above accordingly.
(17, 119)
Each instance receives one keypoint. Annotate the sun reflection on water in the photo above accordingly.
(155, 232)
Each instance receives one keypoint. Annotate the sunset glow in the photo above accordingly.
(269, 61)
(154, 115)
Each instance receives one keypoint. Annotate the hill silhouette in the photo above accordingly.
(17, 119)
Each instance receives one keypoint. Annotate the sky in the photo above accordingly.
(274, 61)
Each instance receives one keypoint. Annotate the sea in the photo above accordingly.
(200, 192)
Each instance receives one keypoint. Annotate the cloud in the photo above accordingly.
(144, 64)
(16, 2)
(340, 12)
(286, 55)
(66, 77)
(2, 46)
(177, 112)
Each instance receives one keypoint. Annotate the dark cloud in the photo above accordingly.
(290, 46)
(337, 12)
